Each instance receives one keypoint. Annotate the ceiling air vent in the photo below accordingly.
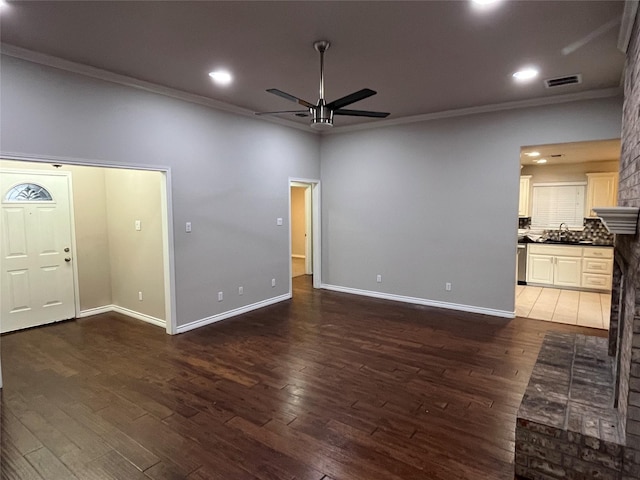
(562, 81)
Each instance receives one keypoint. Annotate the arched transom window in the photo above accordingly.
(28, 192)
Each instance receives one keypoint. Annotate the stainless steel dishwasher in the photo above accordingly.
(521, 260)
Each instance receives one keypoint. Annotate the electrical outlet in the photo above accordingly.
(138, 225)
(187, 227)
(379, 278)
(447, 286)
(140, 296)
(273, 282)
(220, 296)
(240, 290)
(279, 221)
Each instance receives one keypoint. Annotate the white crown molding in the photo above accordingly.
(105, 75)
(496, 107)
(628, 20)
(421, 301)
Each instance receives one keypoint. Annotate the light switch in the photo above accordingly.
(187, 227)
(279, 221)
(138, 225)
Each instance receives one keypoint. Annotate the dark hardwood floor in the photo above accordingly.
(328, 386)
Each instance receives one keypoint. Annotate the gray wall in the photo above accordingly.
(434, 202)
(229, 173)
(421, 204)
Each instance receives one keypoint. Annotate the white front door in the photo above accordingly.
(37, 275)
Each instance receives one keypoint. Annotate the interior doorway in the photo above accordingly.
(304, 229)
(565, 252)
(120, 250)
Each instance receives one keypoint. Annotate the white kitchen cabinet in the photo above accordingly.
(525, 187)
(602, 191)
(557, 265)
(570, 266)
(540, 269)
(567, 272)
(597, 268)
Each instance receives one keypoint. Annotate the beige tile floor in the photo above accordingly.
(587, 309)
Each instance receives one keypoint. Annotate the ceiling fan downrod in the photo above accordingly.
(322, 116)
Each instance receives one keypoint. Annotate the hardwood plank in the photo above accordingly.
(17, 434)
(326, 386)
(14, 466)
(118, 440)
(48, 465)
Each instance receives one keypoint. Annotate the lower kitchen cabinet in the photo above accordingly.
(570, 266)
(557, 265)
(540, 269)
(567, 272)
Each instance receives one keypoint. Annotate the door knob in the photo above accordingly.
(66, 249)
(68, 259)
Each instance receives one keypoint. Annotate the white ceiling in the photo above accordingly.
(421, 57)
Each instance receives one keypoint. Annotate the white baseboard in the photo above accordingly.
(298, 256)
(124, 311)
(89, 312)
(231, 313)
(421, 301)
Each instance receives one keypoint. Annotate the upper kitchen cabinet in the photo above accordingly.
(602, 191)
(525, 188)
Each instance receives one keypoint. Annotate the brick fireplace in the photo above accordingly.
(580, 416)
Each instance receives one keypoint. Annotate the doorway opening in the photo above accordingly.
(565, 252)
(120, 250)
(304, 229)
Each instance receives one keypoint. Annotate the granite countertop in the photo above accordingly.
(564, 244)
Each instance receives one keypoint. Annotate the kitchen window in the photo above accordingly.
(556, 203)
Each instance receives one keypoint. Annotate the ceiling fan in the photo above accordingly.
(322, 113)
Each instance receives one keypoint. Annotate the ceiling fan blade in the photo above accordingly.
(352, 98)
(299, 113)
(361, 113)
(290, 97)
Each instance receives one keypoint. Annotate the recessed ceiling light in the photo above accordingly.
(532, 154)
(525, 74)
(221, 77)
(484, 2)
(542, 160)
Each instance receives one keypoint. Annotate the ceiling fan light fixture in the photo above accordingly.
(322, 118)
(321, 124)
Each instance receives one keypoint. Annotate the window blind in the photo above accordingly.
(554, 204)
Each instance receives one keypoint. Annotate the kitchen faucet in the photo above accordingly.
(560, 232)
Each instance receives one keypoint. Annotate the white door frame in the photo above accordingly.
(74, 252)
(315, 229)
(167, 223)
